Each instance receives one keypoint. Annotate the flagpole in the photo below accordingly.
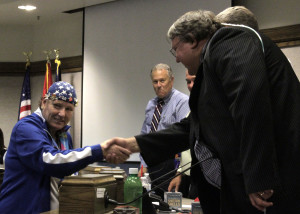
(48, 75)
(25, 99)
(58, 63)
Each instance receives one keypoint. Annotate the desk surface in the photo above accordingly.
(57, 212)
(186, 205)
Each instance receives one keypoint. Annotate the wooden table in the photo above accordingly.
(185, 201)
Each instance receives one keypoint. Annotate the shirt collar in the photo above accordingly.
(39, 113)
(167, 98)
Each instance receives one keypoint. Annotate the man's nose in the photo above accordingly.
(62, 112)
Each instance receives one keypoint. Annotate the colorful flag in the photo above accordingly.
(25, 100)
(58, 74)
(177, 160)
(48, 78)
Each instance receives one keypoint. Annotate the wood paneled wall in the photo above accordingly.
(286, 36)
(68, 64)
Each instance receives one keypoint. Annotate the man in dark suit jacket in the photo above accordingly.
(244, 108)
(2, 147)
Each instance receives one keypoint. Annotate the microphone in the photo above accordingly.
(172, 171)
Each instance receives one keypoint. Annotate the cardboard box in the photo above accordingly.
(85, 194)
(120, 176)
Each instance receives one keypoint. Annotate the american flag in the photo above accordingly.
(58, 73)
(25, 100)
(48, 78)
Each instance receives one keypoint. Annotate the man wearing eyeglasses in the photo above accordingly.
(245, 115)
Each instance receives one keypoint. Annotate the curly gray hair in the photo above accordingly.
(198, 25)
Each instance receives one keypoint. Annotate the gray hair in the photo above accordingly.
(162, 66)
(198, 25)
(238, 15)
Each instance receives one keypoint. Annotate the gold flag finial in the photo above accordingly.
(27, 54)
(48, 53)
(56, 53)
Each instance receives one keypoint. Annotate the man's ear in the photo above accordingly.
(172, 79)
(43, 103)
(194, 44)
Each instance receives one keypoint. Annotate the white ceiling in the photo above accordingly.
(47, 10)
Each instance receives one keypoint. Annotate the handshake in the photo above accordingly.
(118, 150)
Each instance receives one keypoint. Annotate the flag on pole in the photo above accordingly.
(48, 78)
(58, 73)
(25, 100)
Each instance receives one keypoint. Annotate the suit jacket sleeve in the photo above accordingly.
(164, 144)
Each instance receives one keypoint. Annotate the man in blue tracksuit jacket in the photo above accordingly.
(40, 154)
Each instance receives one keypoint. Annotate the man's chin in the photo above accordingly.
(58, 126)
(192, 72)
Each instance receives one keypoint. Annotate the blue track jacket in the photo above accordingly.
(32, 158)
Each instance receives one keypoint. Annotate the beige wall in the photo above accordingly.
(293, 54)
(64, 34)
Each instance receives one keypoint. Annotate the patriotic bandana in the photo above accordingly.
(62, 91)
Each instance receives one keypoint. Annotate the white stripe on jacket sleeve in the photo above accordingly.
(60, 158)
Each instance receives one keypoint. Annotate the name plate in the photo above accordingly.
(174, 199)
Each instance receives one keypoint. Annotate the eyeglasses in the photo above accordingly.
(173, 50)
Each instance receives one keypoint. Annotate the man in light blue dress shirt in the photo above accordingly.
(174, 109)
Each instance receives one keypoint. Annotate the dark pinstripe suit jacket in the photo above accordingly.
(245, 106)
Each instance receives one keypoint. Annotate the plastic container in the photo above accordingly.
(133, 189)
(146, 182)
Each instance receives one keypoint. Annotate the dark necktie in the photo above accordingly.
(156, 115)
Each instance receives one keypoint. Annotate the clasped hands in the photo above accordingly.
(118, 150)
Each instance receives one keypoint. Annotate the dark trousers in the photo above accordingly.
(187, 188)
(209, 196)
(160, 171)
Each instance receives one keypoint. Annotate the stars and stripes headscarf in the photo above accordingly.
(62, 91)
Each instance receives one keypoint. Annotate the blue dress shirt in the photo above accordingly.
(176, 108)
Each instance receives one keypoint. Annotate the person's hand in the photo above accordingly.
(116, 154)
(144, 171)
(129, 144)
(175, 182)
(259, 199)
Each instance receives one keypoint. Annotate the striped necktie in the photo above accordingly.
(156, 115)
